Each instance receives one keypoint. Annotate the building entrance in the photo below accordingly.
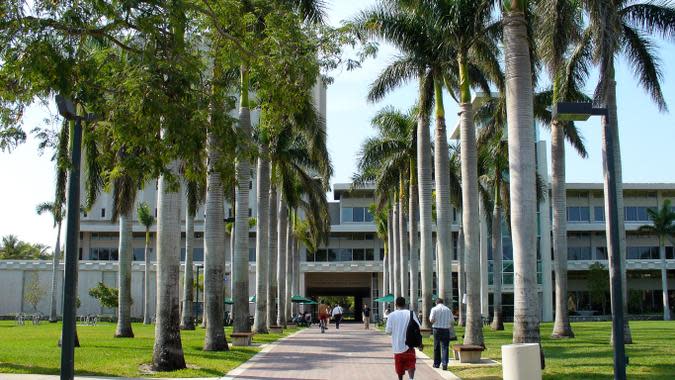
(350, 290)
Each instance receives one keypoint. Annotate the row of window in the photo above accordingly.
(356, 215)
(344, 254)
(631, 214)
(632, 253)
(112, 254)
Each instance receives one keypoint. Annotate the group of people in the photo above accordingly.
(398, 326)
(326, 312)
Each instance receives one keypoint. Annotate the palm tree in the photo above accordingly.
(147, 220)
(522, 169)
(614, 28)
(57, 215)
(663, 226)
(559, 28)
(124, 196)
(273, 246)
(262, 241)
(194, 194)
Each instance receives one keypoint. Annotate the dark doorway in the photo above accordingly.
(357, 293)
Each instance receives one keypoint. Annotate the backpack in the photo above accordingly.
(413, 336)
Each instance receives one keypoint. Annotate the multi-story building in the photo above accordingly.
(351, 263)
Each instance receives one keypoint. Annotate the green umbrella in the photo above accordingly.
(251, 299)
(310, 302)
(433, 298)
(228, 301)
(385, 299)
(300, 299)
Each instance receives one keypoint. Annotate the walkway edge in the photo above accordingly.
(428, 361)
(266, 348)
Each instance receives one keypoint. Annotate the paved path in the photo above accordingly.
(349, 353)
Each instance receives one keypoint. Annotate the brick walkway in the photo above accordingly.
(349, 353)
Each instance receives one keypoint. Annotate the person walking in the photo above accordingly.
(366, 317)
(324, 316)
(397, 327)
(441, 318)
(337, 315)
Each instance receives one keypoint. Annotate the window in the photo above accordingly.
(369, 216)
(370, 254)
(251, 254)
(669, 253)
(103, 213)
(601, 253)
(311, 256)
(599, 214)
(358, 213)
(359, 254)
(347, 214)
(636, 214)
(155, 213)
(579, 253)
(578, 214)
(250, 213)
(642, 253)
(322, 255)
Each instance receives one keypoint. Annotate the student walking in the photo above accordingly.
(366, 317)
(397, 327)
(441, 318)
(337, 315)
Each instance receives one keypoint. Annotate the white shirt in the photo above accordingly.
(441, 317)
(337, 310)
(397, 326)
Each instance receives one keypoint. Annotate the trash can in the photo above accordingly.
(521, 361)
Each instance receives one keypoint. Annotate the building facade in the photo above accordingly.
(351, 263)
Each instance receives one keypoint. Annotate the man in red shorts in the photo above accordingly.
(397, 326)
(324, 314)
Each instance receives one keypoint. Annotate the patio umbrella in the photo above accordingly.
(228, 301)
(251, 299)
(300, 299)
(386, 299)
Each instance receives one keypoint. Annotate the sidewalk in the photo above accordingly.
(349, 353)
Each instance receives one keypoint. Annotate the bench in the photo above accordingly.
(276, 329)
(467, 353)
(241, 339)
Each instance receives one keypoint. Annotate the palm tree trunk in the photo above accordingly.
(385, 277)
(125, 255)
(522, 173)
(424, 185)
(53, 315)
(281, 259)
(561, 325)
(390, 252)
(611, 123)
(187, 322)
(470, 209)
(168, 349)
(403, 249)
(461, 276)
(664, 280)
(241, 228)
(396, 244)
(288, 280)
(261, 240)
(443, 206)
(146, 279)
(214, 250)
(273, 247)
(497, 253)
(413, 218)
(296, 274)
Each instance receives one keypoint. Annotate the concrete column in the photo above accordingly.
(545, 237)
(484, 241)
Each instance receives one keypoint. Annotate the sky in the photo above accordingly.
(647, 136)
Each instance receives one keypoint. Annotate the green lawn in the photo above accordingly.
(589, 355)
(33, 349)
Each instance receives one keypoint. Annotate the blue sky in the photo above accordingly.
(647, 136)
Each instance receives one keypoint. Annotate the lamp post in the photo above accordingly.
(198, 309)
(582, 111)
(67, 110)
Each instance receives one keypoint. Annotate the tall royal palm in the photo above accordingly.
(418, 39)
(663, 226)
(615, 28)
(124, 196)
(559, 28)
(522, 169)
(57, 215)
(194, 196)
(469, 31)
(147, 220)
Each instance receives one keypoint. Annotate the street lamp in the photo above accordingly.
(68, 111)
(198, 266)
(582, 111)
